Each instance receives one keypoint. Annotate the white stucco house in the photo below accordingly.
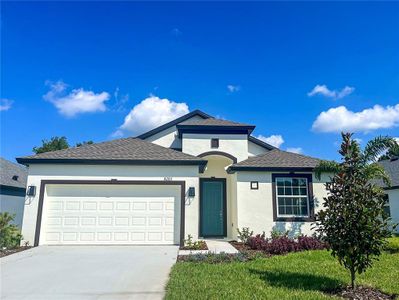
(195, 175)
(391, 167)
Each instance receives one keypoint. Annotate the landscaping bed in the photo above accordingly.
(361, 293)
(5, 252)
(198, 245)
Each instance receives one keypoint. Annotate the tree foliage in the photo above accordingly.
(10, 236)
(392, 152)
(57, 143)
(353, 221)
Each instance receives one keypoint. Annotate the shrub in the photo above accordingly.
(392, 245)
(197, 245)
(284, 244)
(275, 233)
(310, 243)
(10, 236)
(244, 234)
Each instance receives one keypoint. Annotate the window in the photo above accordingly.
(387, 209)
(291, 197)
(214, 143)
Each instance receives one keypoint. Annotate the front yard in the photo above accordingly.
(301, 275)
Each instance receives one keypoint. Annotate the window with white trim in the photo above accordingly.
(292, 197)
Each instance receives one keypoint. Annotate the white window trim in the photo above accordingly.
(293, 196)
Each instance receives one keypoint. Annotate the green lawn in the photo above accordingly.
(301, 275)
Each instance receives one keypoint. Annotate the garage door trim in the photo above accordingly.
(43, 183)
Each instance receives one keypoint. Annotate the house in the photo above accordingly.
(391, 167)
(12, 189)
(195, 175)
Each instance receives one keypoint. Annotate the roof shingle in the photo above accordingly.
(276, 159)
(213, 122)
(8, 170)
(391, 167)
(126, 149)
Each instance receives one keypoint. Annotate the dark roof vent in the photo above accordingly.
(15, 177)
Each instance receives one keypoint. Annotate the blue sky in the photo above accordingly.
(79, 69)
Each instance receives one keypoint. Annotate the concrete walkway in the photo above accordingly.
(87, 272)
(214, 246)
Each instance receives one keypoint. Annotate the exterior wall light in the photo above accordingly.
(254, 185)
(31, 191)
(191, 191)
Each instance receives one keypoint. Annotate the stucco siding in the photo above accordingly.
(254, 149)
(13, 204)
(234, 144)
(38, 172)
(394, 205)
(255, 207)
(168, 138)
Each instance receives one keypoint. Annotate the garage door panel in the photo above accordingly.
(87, 214)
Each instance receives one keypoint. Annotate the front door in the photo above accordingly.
(213, 207)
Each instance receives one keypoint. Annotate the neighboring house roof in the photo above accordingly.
(120, 151)
(12, 175)
(276, 160)
(391, 167)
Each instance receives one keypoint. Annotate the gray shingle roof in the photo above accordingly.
(8, 170)
(123, 150)
(276, 159)
(392, 168)
(213, 122)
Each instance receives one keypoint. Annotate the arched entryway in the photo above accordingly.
(217, 196)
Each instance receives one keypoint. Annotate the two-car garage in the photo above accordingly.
(112, 212)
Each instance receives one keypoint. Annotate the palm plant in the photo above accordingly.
(371, 154)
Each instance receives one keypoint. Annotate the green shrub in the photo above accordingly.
(244, 234)
(392, 245)
(10, 236)
(275, 233)
(190, 245)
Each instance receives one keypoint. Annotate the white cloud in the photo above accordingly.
(233, 88)
(335, 94)
(341, 119)
(275, 140)
(5, 104)
(77, 101)
(150, 113)
(297, 150)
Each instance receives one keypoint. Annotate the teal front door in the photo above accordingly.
(213, 207)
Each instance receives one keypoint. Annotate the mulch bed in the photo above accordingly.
(361, 293)
(12, 251)
(202, 246)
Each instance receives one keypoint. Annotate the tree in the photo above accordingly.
(353, 221)
(84, 143)
(55, 143)
(392, 152)
(10, 235)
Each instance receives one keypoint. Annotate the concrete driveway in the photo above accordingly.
(87, 272)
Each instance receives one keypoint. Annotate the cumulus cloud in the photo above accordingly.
(341, 119)
(233, 88)
(5, 104)
(78, 101)
(150, 113)
(334, 94)
(297, 150)
(275, 140)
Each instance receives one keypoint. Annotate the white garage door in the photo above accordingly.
(110, 214)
